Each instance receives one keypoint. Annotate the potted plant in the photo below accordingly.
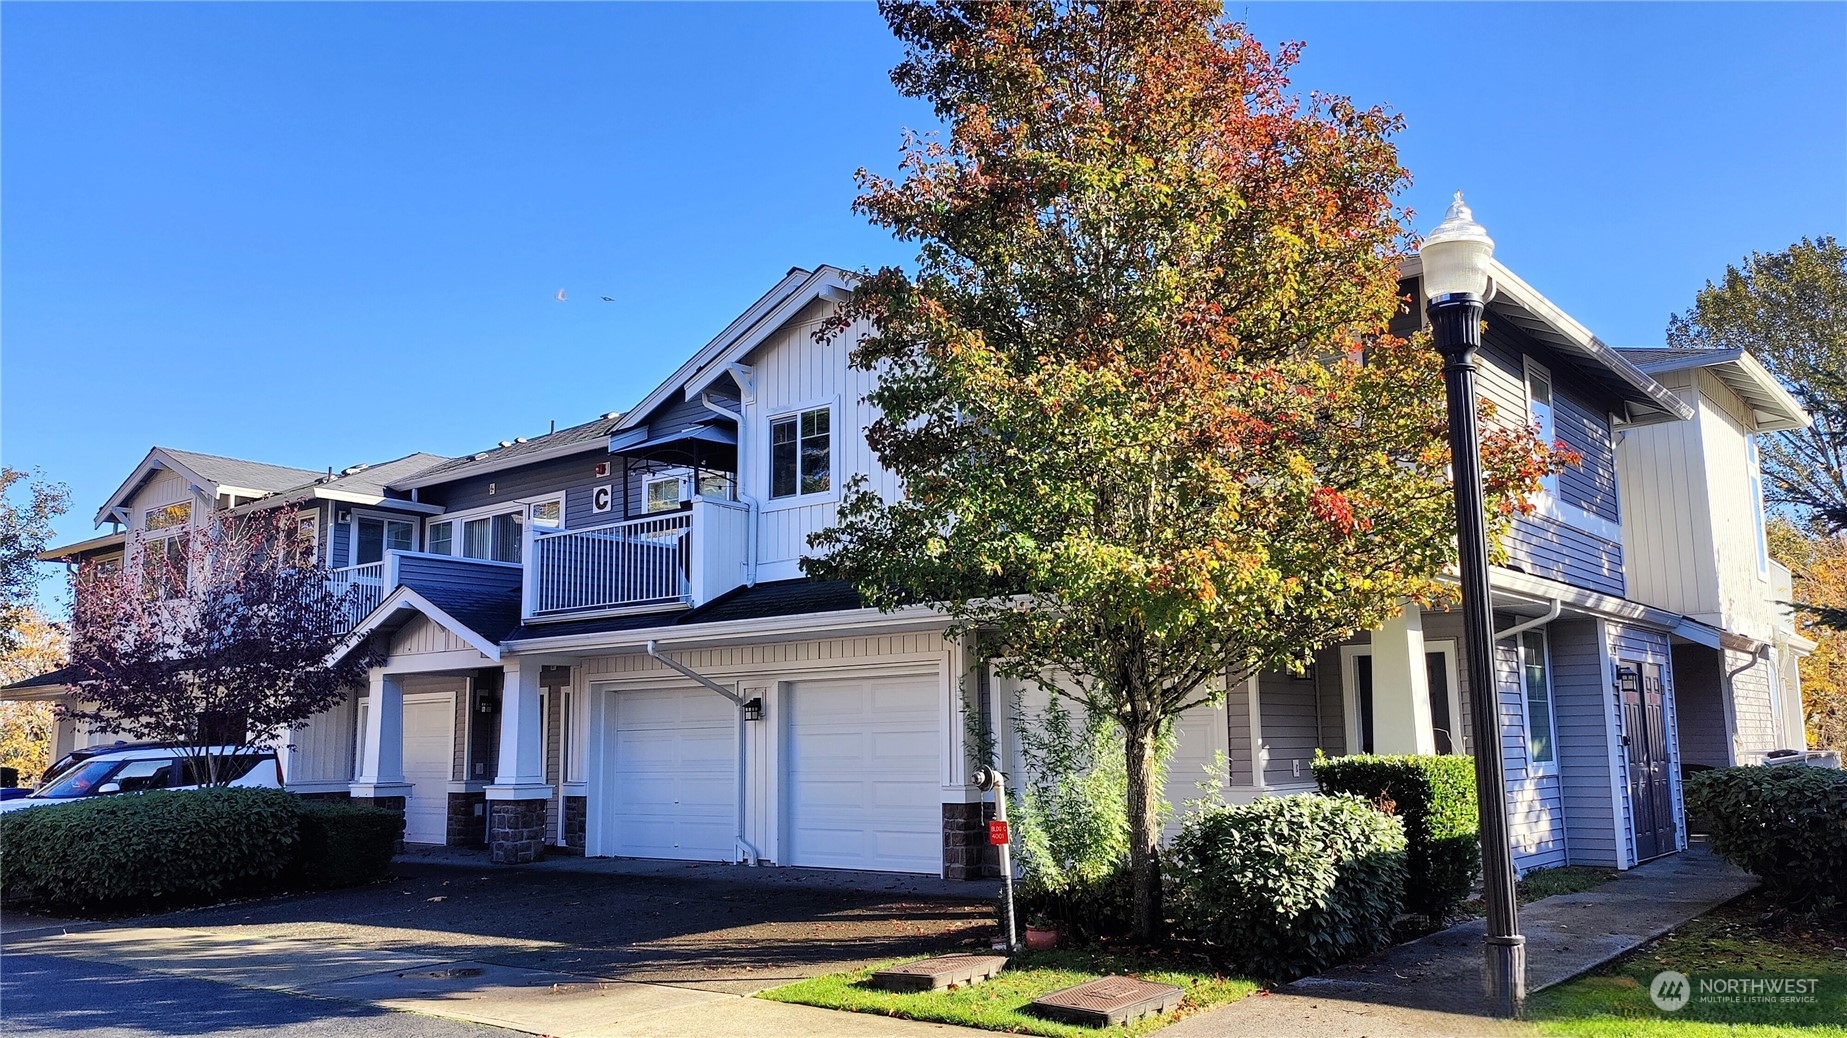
(1041, 935)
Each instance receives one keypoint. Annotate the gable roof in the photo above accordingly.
(207, 471)
(482, 617)
(590, 436)
(1521, 305)
(736, 342)
(1775, 408)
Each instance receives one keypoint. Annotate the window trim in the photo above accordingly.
(1547, 500)
(832, 493)
(519, 508)
(1537, 767)
(352, 533)
(1451, 651)
(310, 519)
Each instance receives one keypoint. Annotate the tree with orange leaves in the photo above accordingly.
(1152, 432)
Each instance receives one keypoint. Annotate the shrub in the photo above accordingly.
(342, 845)
(1289, 885)
(148, 850)
(1435, 795)
(1787, 825)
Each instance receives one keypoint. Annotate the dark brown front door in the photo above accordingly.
(1651, 796)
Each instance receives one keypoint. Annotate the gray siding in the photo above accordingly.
(425, 572)
(1587, 718)
(1535, 805)
(1238, 725)
(1545, 547)
(1287, 713)
(1699, 688)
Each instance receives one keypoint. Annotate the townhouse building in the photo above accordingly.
(600, 641)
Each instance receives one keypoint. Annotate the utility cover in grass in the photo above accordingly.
(1108, 1002)
(939, 973)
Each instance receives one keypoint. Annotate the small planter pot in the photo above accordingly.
(1038, 939)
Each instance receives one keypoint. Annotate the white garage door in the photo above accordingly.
(429, 761)
(674, 775)
(865, 788)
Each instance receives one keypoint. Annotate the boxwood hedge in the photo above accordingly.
(1435, 795)
(1787, 825)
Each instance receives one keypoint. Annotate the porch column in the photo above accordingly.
(518, 799)
(1401, 686)
(381, 766)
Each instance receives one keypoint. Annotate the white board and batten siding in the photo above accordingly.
(318, 755)
(859, 746)
(793, 373)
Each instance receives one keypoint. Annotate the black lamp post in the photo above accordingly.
(1457, 283)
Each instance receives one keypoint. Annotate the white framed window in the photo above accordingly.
(493, 533)
(374, 535)
(1757, 507)
(1440, 668)
(547, 514)
(439, 538)
(667, 491)
(166, 569)
(802, 453)
(1539, 411)
(1536, 690)
(307, 538)
(661, 493)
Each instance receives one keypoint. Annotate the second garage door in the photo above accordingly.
(864, 787)
(429, 760)
(674, 781)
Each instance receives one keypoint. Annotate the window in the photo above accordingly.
(1757, 507)
(478, 538)
(548, 513)
(801, 449)
(1536, 682)
(1445, 697)
(373, 536)
(307, 538)
(661, 494)
(1539, 412)
(167, 517)
(165, 568)
(440, 539)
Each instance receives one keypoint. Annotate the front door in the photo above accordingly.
(1651, 797)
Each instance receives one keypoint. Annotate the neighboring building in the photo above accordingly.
(600, 640)
(1696, 517)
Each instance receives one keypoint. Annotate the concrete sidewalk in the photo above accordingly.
(1432, 986)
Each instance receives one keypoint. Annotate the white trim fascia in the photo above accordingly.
(408, 598)
(64, 551)
(1613, 737)
(816, 287)
(1260, 754)
(845, 623)
(739, 325)
(679, 605)
(156, 457)
(1580, 600)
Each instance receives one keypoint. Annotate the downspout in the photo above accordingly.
(750, 563)
(743, 847)
(1731, 696)
(1556, 608)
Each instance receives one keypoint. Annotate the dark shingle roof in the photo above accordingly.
(235, 472)
(492, 613)
(763, 601)
(589, 435)
(65, 675)
(373, 479)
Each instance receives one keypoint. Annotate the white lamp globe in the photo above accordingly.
(1456, 255)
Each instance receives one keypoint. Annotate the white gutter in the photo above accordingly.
(842, 623)
(743, 848)
(742, 375)
(1556, 608)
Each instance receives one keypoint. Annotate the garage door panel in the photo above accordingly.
(673, 775)
(863, 774)
(429, 762)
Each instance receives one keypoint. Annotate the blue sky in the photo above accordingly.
(324, 234)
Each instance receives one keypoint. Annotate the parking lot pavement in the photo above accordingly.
(42, 996)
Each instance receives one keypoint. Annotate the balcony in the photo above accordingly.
(373, 582)
(365, 583)
(657, 562)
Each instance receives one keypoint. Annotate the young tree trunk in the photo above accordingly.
(1144, 833)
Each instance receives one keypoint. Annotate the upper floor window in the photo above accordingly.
(167, 517)
(801, 453)
(373, 536)
(1539, 412)
(307, 537)
(1536, 683)
(166, 568)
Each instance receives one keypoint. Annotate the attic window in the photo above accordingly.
(167, 517)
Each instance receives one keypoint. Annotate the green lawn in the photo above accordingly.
(1732, 940)
(1000, 1004)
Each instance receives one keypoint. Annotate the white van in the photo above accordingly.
(137, 769)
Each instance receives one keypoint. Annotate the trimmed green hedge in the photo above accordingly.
(1286, 886)
(1787, 825)
(1435, 795)
(144, 851)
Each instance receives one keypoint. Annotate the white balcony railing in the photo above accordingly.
(635, 563)
(367, 583)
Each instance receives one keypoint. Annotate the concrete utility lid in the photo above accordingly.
(940, 972)
(1108, 1002)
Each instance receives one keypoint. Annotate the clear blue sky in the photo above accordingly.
(324, 234)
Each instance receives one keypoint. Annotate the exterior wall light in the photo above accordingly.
(753, 709)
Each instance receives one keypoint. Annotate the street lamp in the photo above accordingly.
(1458, 284)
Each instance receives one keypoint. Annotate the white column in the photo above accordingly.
(521, 775)
(1401, 686)
(1260, 754)
(381, 767)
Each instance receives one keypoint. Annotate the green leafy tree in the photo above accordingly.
(1151, 431)
(26, 728)
(1818, 562)
(1789, 310)
(24, 529)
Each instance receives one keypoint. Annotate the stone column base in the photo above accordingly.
(966, 851)
(516, 831)
(467, 823)
(576, 812)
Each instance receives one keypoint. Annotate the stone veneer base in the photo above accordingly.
(516, 831)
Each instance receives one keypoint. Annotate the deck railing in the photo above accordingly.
(367, 583)
(635, 563)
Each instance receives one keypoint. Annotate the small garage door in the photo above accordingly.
(429, 762)
(674, 776)
(865, 788)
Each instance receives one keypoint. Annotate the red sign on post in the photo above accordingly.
(997, 833)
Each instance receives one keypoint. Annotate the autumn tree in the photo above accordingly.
(224, 636)
(1150, 427)
(26, 728)
(1818, 562)
(1789, 310)
(24, 528)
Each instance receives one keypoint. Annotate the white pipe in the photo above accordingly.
(1551, 615)
(750, 562)
(742, 846)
